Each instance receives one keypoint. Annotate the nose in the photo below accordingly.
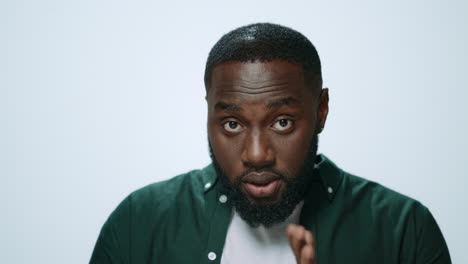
(257, 151)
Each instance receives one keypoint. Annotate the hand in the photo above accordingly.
(302, 243)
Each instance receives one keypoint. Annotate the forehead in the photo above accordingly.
(245, 81)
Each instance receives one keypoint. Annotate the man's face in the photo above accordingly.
(262, 122)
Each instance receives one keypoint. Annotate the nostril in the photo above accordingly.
(257, 158)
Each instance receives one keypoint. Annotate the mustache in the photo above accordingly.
(271, 172)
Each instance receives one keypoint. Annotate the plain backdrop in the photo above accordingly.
(99, 98)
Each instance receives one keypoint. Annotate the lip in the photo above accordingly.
(261, 185)
(260, 178)
(262, 191)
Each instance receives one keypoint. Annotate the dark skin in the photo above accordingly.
(263, 115)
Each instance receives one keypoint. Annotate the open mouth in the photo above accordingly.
(262, 190)
(261, 185)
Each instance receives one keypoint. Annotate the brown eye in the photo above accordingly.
(282, 124)
(232, 126)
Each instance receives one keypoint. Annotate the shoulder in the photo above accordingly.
(380, 197)
(353, 191)
(191, 181)
(418, 232)
(388, 209)
(184, 187)
(160, 198)
(149, 210)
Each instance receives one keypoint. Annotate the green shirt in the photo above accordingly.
(353, 220)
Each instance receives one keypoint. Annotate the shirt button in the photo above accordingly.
(207, 185)
(223, 198)
(330, 190)
(211, 256)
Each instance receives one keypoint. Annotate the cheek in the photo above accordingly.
(227, 151)
(291, 151)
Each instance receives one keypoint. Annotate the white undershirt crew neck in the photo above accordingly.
(247, 245)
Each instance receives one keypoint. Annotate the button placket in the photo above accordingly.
(211, 256)
(222, 198)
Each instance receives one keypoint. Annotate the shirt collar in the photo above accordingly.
(209, 178)
(329, 174)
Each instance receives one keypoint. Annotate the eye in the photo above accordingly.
(232, 126)
(283, 124)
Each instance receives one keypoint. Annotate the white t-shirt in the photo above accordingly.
(248, 245)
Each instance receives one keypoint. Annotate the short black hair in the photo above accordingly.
(264, 42)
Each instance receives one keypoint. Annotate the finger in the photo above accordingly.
(307, 255)
(309, 238)
(296, 237)
(310, 242)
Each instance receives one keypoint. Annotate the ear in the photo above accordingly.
(322, 112)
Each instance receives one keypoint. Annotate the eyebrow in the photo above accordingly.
(226, 106)
(276, 103)
(283, 101)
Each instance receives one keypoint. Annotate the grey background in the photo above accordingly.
(99, 98)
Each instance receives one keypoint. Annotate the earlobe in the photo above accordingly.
(320, 126)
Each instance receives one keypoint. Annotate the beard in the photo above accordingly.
(272, 213)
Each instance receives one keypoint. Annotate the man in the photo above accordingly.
(268, 197)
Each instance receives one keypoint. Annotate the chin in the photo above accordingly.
(263, 201)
